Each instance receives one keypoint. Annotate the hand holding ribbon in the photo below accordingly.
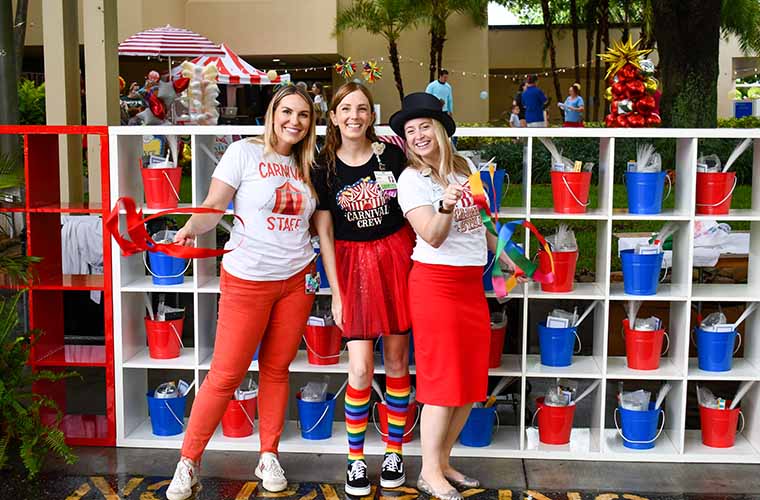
(523, 266)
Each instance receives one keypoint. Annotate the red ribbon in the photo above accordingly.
(140, 240)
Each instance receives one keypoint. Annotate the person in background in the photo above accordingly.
(573, 107)
(447, 303)
(514, 118)
(320, 103)
(534, 100)
(517, 101)
(441, 88)
(366, 248)
(266, 293)
(303, 86)
(134, 91)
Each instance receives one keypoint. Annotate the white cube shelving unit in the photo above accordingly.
(597, 441)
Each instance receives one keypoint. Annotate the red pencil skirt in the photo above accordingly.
(452, 333)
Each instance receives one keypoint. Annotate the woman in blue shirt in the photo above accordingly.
(573, 107)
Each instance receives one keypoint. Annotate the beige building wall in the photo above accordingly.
(465, 50)
(252, 27)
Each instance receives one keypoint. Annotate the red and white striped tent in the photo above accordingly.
(233, 70)
(168, 41)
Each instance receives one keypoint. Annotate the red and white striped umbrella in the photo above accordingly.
(168, 41)
(234, 70)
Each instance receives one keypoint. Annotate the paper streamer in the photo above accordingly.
(502, 285)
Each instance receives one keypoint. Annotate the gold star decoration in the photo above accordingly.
(622, 53)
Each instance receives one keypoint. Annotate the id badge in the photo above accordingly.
(312, 283)
(386, 180)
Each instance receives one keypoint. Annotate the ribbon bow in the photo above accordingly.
(139, 239)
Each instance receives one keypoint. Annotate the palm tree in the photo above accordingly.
(688, 36)
(8, 80)
(19, 33)
(547, 16)
(574, 25)
(437, 13)
(387, 18)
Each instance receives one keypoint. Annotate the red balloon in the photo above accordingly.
(609, 120)
(645, 105)
(621, 121)
(619, 90)
(653, 120)
(180, 84)
(628, 72)
(156, 106)
(636, 120)
(636, 88)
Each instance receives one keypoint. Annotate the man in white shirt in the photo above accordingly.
(442, 90)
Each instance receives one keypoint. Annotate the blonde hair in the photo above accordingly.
(451, 163)
(305, 150)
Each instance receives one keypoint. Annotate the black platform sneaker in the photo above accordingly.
(392, 474)
(357, 482)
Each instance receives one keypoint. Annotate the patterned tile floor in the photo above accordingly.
(55, 486)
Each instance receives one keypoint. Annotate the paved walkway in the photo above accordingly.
(142, 474)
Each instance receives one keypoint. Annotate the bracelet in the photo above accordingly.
(444, 211)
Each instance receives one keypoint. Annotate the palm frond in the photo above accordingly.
(55, 440)
(362, 14)
(742, 19)
(476, 10)
(4, 440)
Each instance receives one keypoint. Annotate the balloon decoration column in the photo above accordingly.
(631, 86)
(201, 95)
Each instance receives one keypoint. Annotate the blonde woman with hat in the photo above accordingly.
(447, 302)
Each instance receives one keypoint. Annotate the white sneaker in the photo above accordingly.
(271, 474)
(185, 477)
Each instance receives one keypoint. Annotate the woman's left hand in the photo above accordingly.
(510, 265)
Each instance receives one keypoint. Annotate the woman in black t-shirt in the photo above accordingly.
(366, 249)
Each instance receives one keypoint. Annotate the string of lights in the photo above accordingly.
(406, 59)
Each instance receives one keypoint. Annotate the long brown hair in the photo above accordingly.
(333, 139)
(304, 151)
(451, 163)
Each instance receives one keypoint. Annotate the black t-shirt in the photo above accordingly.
(361, 211)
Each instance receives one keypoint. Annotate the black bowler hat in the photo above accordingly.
(421, 105)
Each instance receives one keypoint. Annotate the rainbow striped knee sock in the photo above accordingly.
(397, 401)
(357, 413)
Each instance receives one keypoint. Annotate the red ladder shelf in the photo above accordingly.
(42, 209)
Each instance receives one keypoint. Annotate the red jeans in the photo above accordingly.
(273, 313)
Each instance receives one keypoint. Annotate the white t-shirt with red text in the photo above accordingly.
(275, 205)
(465, 244)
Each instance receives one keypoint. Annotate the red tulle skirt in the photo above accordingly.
(373, 284)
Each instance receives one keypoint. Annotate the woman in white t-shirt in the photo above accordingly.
(447, 303)
(264, 284)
